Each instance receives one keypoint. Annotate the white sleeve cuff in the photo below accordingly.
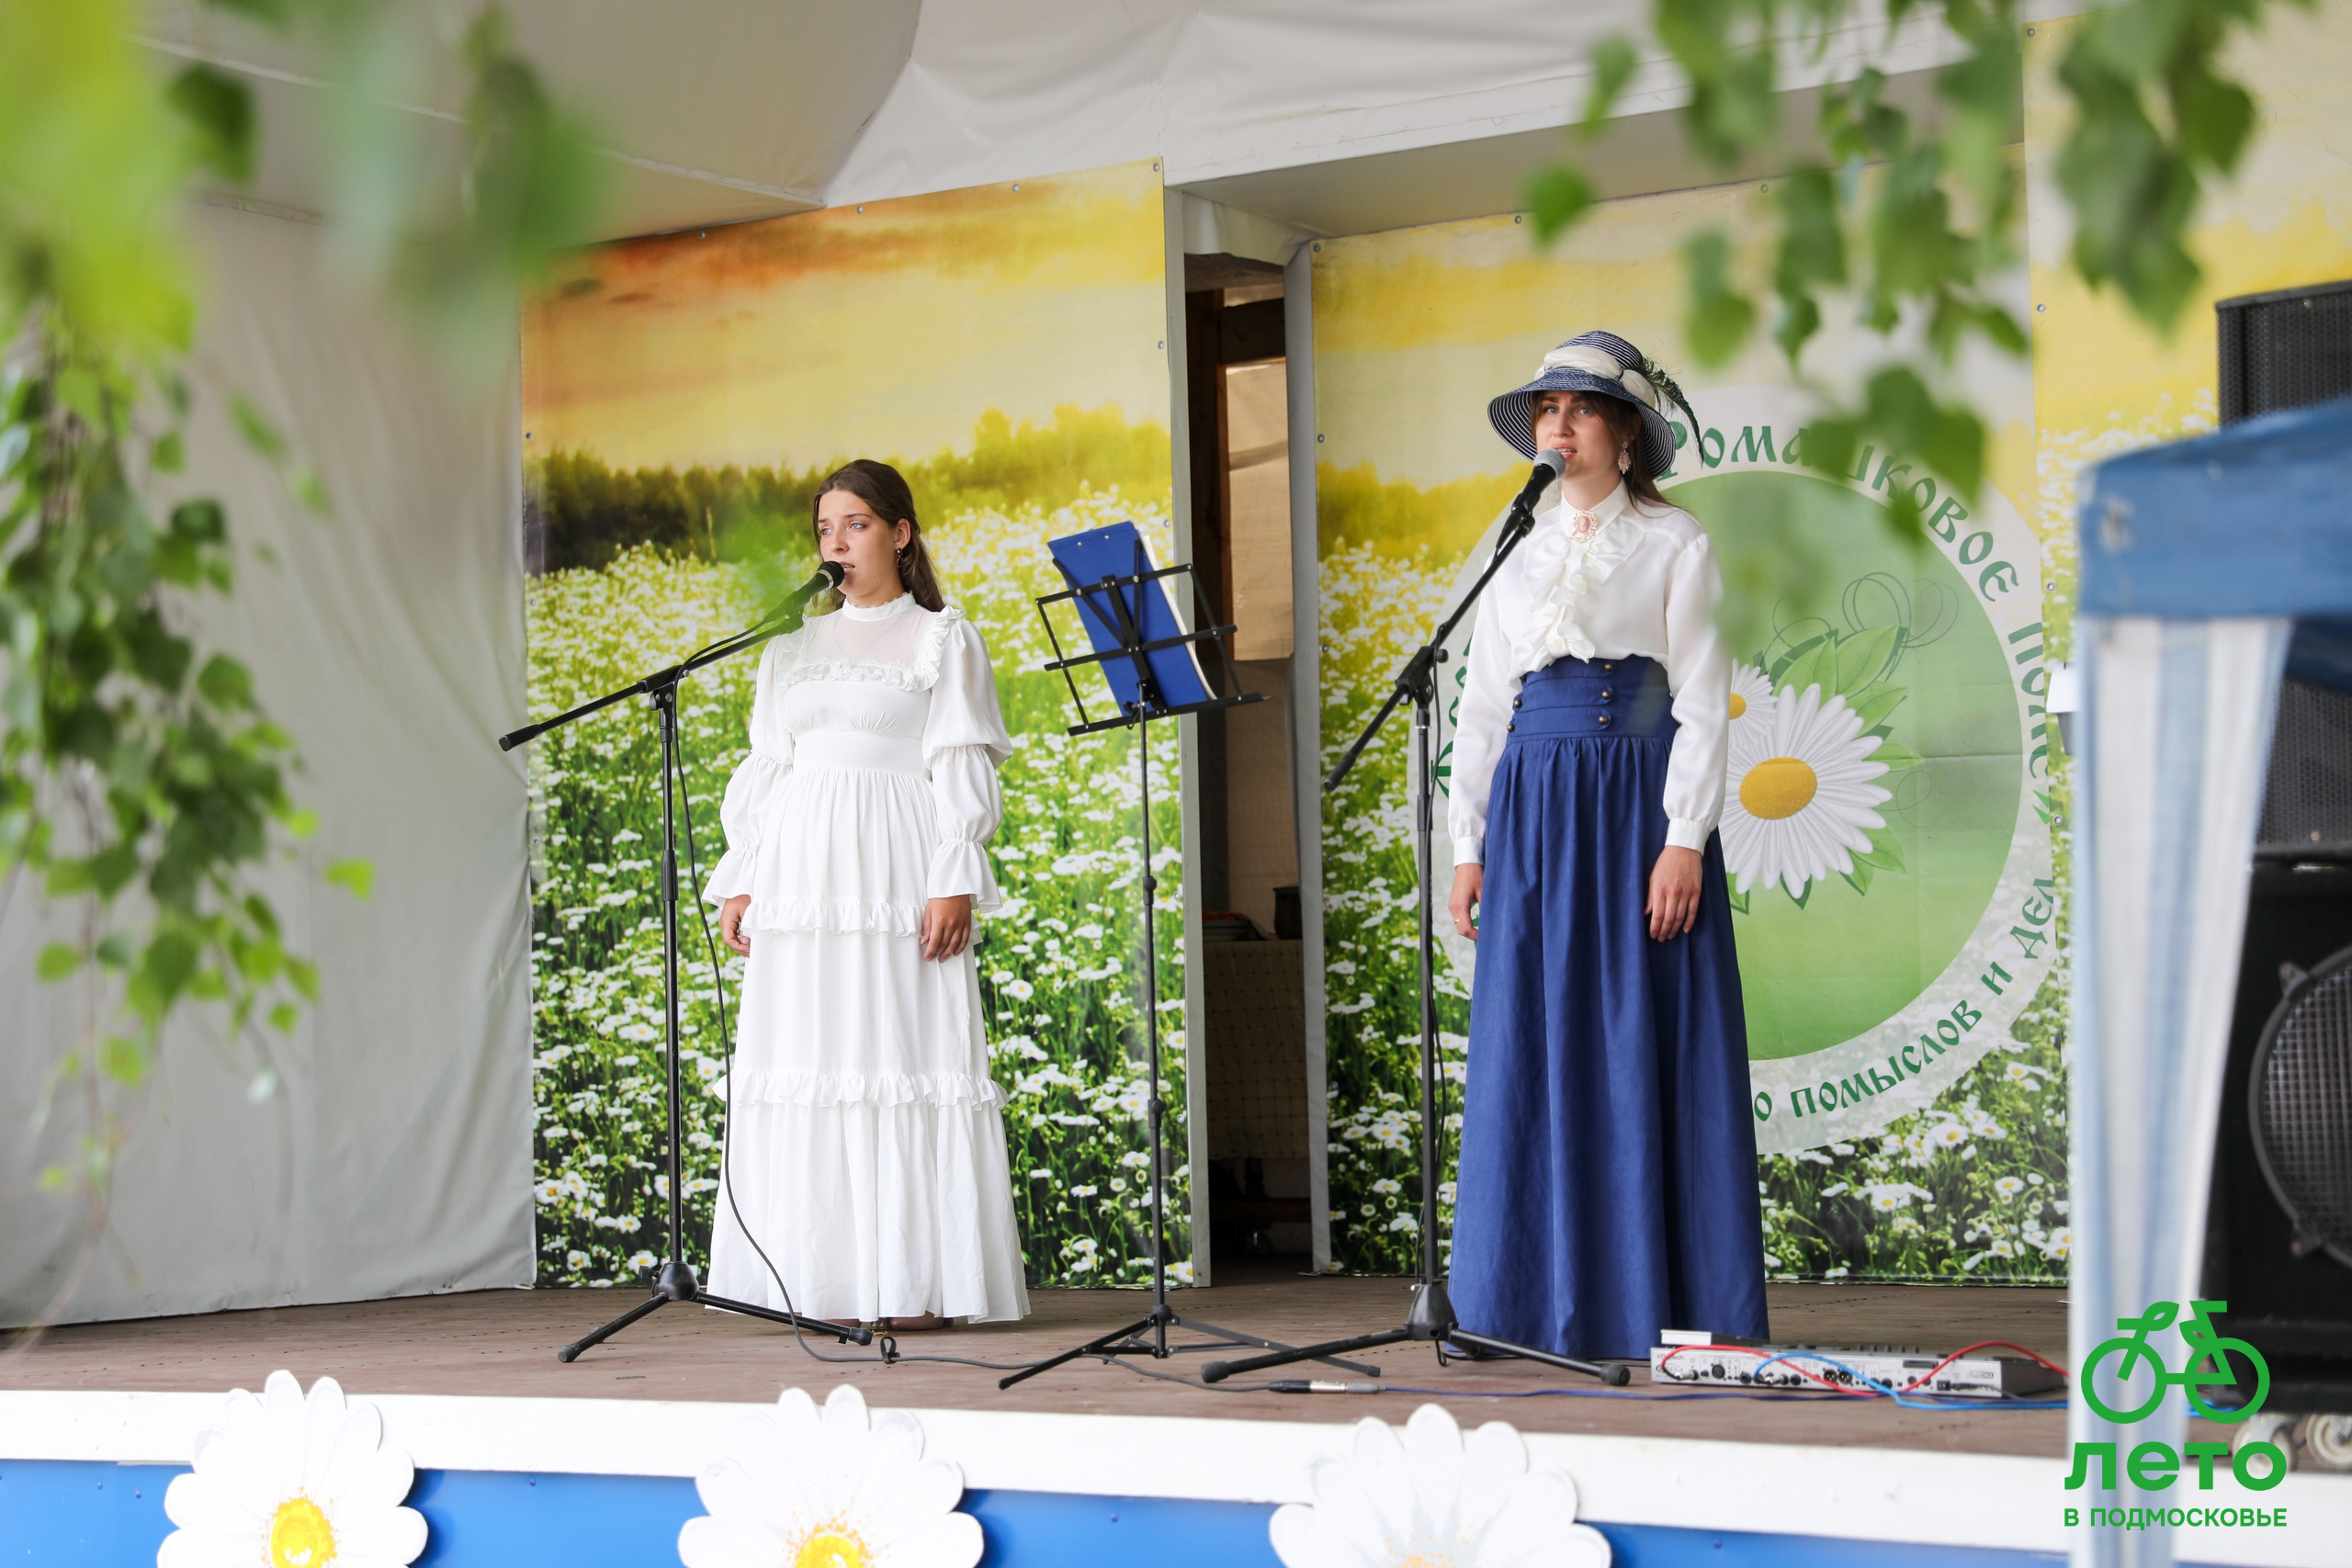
(1470, 852)
(731, 877)
(960, 868)
(1687, 833)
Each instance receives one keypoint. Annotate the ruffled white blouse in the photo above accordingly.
(1645, 584)
(896, 688)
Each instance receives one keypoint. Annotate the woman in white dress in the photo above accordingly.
(866, 1139)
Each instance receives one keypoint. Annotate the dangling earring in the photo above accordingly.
(1624, 459)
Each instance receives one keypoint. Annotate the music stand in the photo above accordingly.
(1431, 1315)
(675, 1280)
(1148, 660)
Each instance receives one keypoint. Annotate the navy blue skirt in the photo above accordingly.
(1607, 1186)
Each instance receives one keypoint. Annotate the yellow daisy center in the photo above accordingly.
(1778, 787)
(1738, 706)
(831, 1546)
(300, 1536)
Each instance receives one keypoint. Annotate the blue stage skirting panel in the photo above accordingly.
(82, 1515)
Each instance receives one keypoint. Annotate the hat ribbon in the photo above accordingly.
(1603, 364)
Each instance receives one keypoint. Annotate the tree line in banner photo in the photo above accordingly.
(1888, 832)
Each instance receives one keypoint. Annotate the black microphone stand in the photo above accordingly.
(1432, 1317)
(1110, 601)
(676, 1279)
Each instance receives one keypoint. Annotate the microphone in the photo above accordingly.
(1548, 467)
(829, 575)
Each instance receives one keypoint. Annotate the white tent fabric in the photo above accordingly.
(1006, 89)
(394, 1157)
(2168, 796)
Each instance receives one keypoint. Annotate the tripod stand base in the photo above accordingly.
(1432, 1319)
(1127, 1341)
(676, 1282)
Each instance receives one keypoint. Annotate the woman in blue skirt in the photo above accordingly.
(1608, 1184)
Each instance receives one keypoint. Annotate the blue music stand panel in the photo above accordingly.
(1119, 551)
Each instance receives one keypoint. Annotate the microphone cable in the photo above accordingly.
(888, 1353)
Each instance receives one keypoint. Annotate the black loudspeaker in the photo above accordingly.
(2285, 349)
(2278, 1233)
(2282, 1162)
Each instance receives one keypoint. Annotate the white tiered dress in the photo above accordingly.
(866, 1139)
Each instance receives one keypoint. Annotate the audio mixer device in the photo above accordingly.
(1708, 1360)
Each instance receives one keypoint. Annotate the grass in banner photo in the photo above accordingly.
(1970, 1187)
(1060, 967)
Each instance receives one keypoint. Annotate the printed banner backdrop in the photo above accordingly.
(683, 398)
(1904, 1006)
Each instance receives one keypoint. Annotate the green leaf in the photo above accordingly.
(312, 493)
(57, 961)
(1894, 754)
(1719, 316)
(1614, 63)
(2214, 118)
(201, 522)
(112, 868)
(355, 876)
(165, 966)
(123, 1059)
(1886, 850)
(225, 684)
(1558, 195)
(1818, 666)
(283, 1016)
(260, 435)
(219, 112)
(169, 455)
(302, 824)
(1864, 657)
(1859, 879)
(1875, 704)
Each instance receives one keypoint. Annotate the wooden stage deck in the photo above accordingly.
(503, 1342)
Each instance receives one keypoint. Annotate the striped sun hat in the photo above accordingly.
(1604, 363)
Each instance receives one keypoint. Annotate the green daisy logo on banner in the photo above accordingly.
(1885, 822)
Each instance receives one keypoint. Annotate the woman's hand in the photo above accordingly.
(1674, 892)
(730, 924)
(1469, 886)
(946, 927)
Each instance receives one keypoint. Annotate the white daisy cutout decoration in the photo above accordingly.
(1434, 1499)
(831, 1488)
(287, 1480)
(1800, 803)
(1752, 702)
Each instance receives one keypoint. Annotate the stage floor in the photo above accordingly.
(503, 1342)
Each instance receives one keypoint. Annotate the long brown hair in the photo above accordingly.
(885, 490)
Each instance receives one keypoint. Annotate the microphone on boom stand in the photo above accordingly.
(829, 575)
(1549, 465)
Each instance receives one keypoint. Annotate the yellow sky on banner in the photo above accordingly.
(888, 329)
(1415, 329)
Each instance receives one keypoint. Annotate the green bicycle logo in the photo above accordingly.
(2207, 1366)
